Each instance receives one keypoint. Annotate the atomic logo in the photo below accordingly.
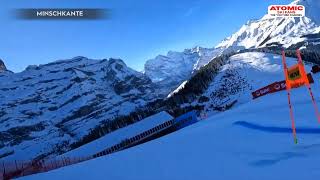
(286, 11)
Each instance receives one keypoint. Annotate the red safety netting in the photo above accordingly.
(16, 169)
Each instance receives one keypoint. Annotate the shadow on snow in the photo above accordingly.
(276, 129)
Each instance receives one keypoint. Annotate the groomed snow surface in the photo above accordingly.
(252, 141)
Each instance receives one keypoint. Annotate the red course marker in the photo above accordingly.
(296, 76)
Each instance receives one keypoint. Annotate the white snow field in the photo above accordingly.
(252, 141)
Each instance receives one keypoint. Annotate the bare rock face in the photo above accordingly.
(2, 66)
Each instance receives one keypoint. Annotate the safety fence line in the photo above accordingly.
(17, 169)
(136, 139)
(25, 168)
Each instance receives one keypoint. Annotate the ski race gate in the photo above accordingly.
(16, 169)
(295, 77)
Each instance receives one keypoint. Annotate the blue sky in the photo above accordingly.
(137, 30)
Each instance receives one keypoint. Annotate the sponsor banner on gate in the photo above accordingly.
(275, 87)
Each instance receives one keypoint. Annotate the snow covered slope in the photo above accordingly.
(66, 99)
(47, 107)
(177, 67)
(251, 141)
(239, 77)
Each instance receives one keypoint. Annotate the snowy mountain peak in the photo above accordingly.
(280, 31)
(172, 69)
(117, 65)
(116, 61)
(160, 68)
(176, 67)
(59, 102)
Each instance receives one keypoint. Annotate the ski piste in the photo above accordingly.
(296, 76)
